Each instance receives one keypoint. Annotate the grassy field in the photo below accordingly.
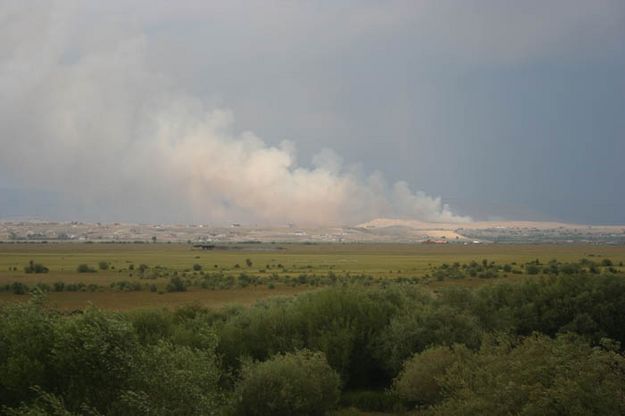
(262, 260)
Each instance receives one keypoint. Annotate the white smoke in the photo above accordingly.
(82, 114)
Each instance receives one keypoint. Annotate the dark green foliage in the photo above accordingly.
(26, 336)
(293, 384)
(532, 269)
(37, 268)
(85, 268)
(45, 404)
(104, 265)
(176, 284)
(92, 357)
(539, 376)
(439, 347)
(590, 306)
(420, 379)
(18, 288)
(126, 286)
(197, 267)
(342, 323)
(421, 326)
(171, 380)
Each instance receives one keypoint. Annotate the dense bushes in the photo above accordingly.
(25, 350)
(420, 326)
(420, 379)
(37, 268)
(549, 344)
(92, 357)
(293, 384)
(85, 268)
(342, 323)
(173, 380)
(539, 376)
(95, 360)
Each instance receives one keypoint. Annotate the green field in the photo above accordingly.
(265, 262)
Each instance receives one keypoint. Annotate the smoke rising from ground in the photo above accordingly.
(82, 114)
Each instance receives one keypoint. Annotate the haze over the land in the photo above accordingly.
(312, 112)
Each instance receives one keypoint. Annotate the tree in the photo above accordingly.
(93, 357)
(173, 380)
(538, 376)
(419, 380)
(300, 383)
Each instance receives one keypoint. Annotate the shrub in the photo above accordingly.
(176, 284)
(26, 339)
(341, 323)
(420, 327)
(46, 404)
(299, 383)
(418, 381)
(19, 288)
(103, 265)
(539, 376)
(37, 268)
(197, 267)
(173, 380)
(532, 269)
(93, 355)
(85, 268)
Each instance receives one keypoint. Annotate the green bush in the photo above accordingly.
(176, 284)
(539, 376)
(419, 381)
(36, 268)
(173, 380)
(85, 268)
(93, 356)
(420, 327)
(46, 404)
(532, 269)
(26, 341)
(292, 384)
(342, 323)
(19, 288)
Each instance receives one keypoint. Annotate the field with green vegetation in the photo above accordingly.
(126, 276)
(374, 329)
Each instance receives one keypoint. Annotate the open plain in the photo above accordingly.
(127, 276)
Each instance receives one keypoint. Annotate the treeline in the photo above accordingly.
(548, 346)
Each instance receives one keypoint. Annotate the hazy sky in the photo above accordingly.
(312, 111)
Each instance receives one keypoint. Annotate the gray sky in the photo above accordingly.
(312, 111)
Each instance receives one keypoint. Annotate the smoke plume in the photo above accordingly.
(82, 114)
